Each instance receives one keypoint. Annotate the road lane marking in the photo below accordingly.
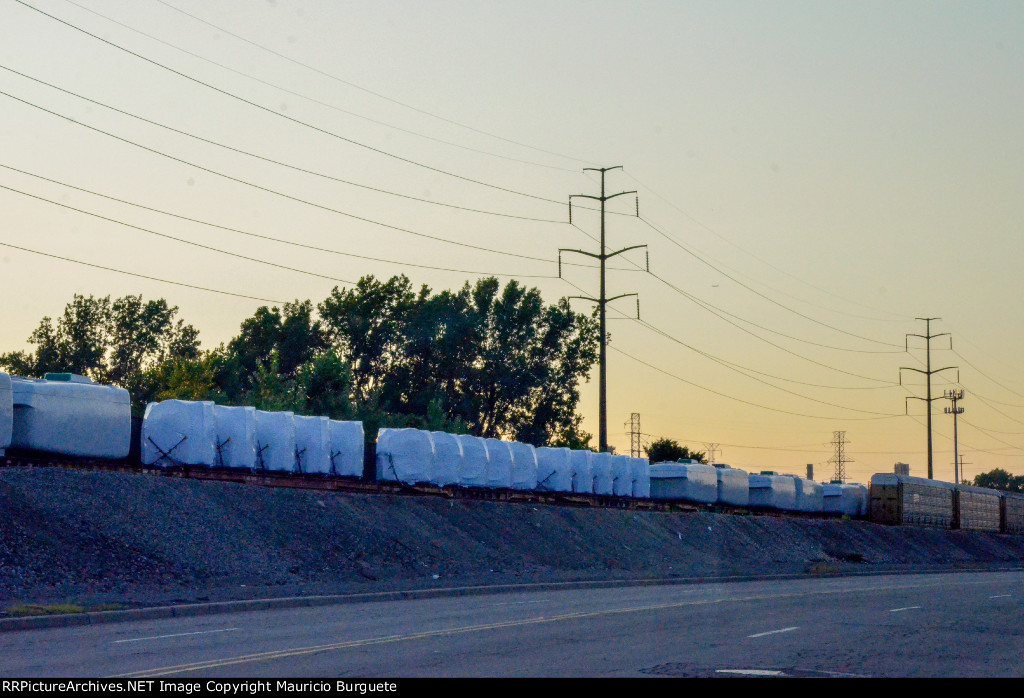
(750, 672)
(775, 632)
(518, 603)
(298, 651)
(905, 608)
(1000, 596)
(161, 637)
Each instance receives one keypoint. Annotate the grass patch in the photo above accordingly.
(32, 609)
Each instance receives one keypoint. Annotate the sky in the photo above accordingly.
(811, 177)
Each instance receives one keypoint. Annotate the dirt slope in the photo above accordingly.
(92, 537)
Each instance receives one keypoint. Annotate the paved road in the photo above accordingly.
(958, 624)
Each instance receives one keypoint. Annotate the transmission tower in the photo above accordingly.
(839, 459)
(634, 435)
(928, 337)
(710, 449)
(603, 300)
(954, 396)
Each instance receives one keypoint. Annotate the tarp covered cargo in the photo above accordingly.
(447, 458)
(808, 495)
(404, 455)
(842, 499)
(694, 482)
(236, 436)
(347, 445)
(640, 471)
(1013, 513)
(275, 441)
(499, 463)
(75, 418)
(601, 464)
(554, 469)
(902, 499)
(865, 499)
(733, 487)
(6, 412)
(524, 465)
(773, 492)
(583, 471)
(179, 432)
(622, 477)
(473, 471)
(313, 445)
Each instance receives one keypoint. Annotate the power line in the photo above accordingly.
(896, 316)
(279, 193)
(278, 162)
(758, 293)
(285, 116)
(745, 402)
(140, 276)
(264, 237)
(790, 392)
(928, 337)
(366, 90)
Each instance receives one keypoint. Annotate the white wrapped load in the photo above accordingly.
(179, 432)
(554, 469)
(473, 470)
(404, 455)
(773, 492)
(447, 458)
(601, 463)
(347, 448)
(583, 471)
(6, 412)
(622, 477)
(865, 499)
(524, 466)
(808, 495)
(236, 436)
(842, 499)
(313, 445)
(70, 415)
(694, 482)
(733, 487)
(640, 470)
(499, 463)
(275, 441)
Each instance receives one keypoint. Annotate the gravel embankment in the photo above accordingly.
(94, 537)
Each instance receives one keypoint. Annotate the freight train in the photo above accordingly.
(75, 421)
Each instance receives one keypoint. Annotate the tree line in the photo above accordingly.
(485, 359)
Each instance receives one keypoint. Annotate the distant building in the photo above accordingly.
(902, 469)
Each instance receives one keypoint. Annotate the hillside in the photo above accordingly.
(104, 537)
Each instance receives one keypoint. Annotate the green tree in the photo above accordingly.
(668, 450)
(999, 479)
(110, 341)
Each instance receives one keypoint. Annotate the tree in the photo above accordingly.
(668, 450)
(110, 341)
(1000, 479)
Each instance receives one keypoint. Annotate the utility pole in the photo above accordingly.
(602, 301)
(963, 474)
(710, 449)
(954, 396)
(928, 337)
(634, 435)
(839, 459)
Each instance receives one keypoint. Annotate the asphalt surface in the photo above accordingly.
(954, 624)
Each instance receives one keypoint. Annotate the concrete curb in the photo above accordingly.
(219, 607)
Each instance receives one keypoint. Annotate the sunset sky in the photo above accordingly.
(812, 177)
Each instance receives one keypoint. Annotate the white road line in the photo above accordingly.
(517, 603)
(750, 672)
(905, 608)
(1000, 596)
(161, 637)
(774, 632)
